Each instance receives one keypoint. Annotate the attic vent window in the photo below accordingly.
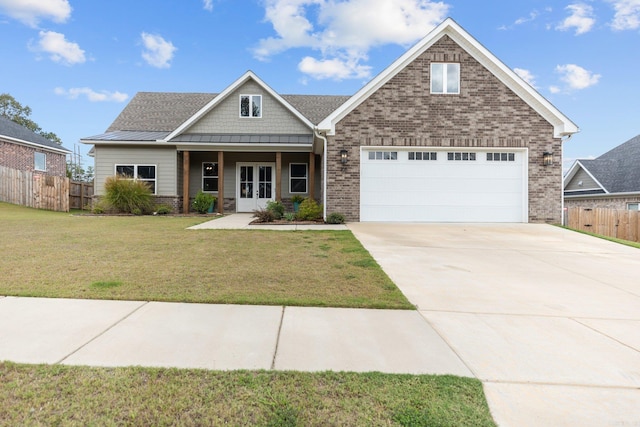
(445, 78)
(251, 106)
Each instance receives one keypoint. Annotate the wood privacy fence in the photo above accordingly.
(621, 224)
(80, 194)
(34, 190)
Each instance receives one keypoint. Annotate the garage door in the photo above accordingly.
(454, 185)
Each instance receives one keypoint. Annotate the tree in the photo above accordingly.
(14, 111)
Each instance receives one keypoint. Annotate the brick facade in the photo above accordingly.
(486, 113)
(21, 157)
(609, 202)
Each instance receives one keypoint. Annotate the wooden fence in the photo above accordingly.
(34, 190)
(621, 224)
(80, 194)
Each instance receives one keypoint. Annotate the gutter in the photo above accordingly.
(324, 172)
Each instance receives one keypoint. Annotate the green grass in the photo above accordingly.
(155, 258)
(63, 395)
(611, 239)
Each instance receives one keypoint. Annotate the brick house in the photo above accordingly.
(445, 133)
(610, 181)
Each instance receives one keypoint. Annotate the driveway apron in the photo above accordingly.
(547, 318)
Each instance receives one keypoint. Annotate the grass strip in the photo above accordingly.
(600, 236)
(69, 395)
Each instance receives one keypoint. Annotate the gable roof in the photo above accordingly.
(561, 124)
(14, 132)
(617, 170)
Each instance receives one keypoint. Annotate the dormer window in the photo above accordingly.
(251, 106)
(445, 78)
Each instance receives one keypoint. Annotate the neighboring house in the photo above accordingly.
(24, 150)
(610, 181)
(446, 133)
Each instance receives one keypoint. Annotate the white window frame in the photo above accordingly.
(382, 155)
(210, 177)
(306, 178)
(637, 206)
(135, 173)
(250, 116)
(36, 162)
(445, 90)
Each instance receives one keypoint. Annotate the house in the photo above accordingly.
(446, 133)
(24, 150)
(610, 181)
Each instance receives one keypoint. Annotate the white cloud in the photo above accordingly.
(533, 15)
(158, 52)
(581, 18)
(343, 32)
(93, 96)
(208, 5)
(31, 12)
(554, 89)
(59, 49)
(627, 15)
(575, 77)
(526, 76)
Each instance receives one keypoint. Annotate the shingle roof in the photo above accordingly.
(14, 130)
(618, 170)
(164, 111)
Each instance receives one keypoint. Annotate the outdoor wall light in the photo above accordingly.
(344, 156)
(547, 158)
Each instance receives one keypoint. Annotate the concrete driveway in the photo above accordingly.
(547, 318)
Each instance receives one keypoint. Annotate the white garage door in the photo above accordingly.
(454, 185)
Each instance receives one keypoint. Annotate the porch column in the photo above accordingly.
(185, 182)
(278, 176)
(312, 176)
(221, 182)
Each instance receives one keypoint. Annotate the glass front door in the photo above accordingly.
(255, 186)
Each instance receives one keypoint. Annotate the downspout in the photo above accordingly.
(565, 215)
(324, 172)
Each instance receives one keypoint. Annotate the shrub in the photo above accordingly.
(297, 199)
(309, 210)
(163, 210)
(98, 210)
(127, 195)
(335, 218)
(136, 211)
(202, 202)
(263, 215)
(276, 207)
(289, 216)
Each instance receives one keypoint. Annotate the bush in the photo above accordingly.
(289, 216)
(202, 202)
(297, 199)
(163, 210)
(126, 195)
(309, 210)
(263, 215)
(335, 218)
(276, 207)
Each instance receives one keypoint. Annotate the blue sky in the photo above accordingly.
(77, 63)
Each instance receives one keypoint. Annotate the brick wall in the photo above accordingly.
(21, 157)
(485, 114)
(613, 202)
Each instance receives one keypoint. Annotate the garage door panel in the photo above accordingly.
(444, 190)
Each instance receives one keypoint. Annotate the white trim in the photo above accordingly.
(203, 177)
(250, 116)
(602, 195)
(444, 78)
(249, 75)
(10, 139)
(256, 178)
(35, 165)
(135, 173)
(574, 170)
(562, 125)
(306, 178)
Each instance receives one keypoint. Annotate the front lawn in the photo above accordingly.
(49, 254)
(63, 395)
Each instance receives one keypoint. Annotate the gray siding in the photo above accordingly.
(588, 183)
(165, 159)
(225, 117)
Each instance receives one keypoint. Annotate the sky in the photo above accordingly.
(77, 63)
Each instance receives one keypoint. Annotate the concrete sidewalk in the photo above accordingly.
(129, 333)
(242, 221)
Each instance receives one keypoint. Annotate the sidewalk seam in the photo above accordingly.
(275, 350)
(117, 322)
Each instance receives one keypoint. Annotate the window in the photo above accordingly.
(297, 178)
(423, 155)
(445, 78)
(383, 155)
(633, 206)
(209, 176)
(251, 106)
(40, 161)
(501, 157)
(146, 173)
(462, 156)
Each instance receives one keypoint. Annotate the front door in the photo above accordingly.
(255, 186)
